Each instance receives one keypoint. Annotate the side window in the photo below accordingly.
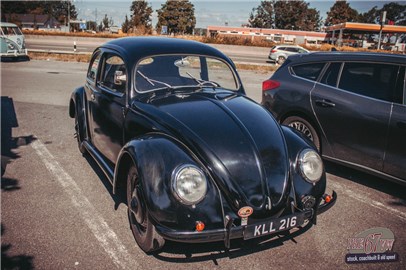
(113, 73)
(370, 79)
(93, 67)
(331, 74)
(308, 71)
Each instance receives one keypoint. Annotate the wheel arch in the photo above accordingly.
(76, 99)
(309, 119)
(120, 176)
(156, 157)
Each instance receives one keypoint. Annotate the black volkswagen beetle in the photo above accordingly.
(169, 123)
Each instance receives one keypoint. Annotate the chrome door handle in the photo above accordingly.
(325, 103)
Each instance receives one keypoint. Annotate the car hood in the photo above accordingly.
(239, 141)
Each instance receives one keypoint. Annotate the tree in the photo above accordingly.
(105, 22)
(395, 12)
(283, 14)
(178, 16)
(141, 17)
(57, 9)
(262, 16)
(341, 12)
(126, 26)
(370, 16)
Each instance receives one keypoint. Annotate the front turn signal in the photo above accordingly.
(199, 226)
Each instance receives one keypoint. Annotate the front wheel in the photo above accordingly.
(140, 222)
(304, 127)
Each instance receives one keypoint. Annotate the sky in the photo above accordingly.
(207, 12)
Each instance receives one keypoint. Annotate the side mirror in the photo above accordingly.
(119, 77)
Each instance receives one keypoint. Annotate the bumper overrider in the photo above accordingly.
(257, 229)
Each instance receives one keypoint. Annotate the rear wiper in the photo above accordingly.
(202, 82)
(152, 81)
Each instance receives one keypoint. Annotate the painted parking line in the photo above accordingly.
(365, 199)
(100, 229)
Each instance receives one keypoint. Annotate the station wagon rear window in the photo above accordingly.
(183, 71)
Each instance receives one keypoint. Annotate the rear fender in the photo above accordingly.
(77, 107)
(156, 156)
(76, 101)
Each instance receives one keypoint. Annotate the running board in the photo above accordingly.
(100, 161)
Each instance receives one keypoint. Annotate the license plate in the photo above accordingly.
(273, 226)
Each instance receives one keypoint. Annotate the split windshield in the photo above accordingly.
(183, 71)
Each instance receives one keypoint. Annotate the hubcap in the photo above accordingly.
(136, 208)
(302, 128)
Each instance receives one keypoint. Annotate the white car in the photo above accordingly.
(279, 53)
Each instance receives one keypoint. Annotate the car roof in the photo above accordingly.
(288, 45)
(136, 48)
(347, 56)
(6, 24)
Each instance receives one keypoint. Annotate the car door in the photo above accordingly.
(107, 102)
(395, 156)
(352, 105)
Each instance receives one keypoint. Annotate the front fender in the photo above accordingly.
(156, 156)
(297, 142)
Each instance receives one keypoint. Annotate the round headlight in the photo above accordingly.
(311, 165)
(11, 46)
(189, 184)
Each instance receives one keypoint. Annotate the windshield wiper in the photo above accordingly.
(202, 82)
(152, 81)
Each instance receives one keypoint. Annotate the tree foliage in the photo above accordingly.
(369, 16)
(395, 12)
(56, 9)
(341, 12)
(262, 16)
(178, 16)
(106, 22)
(126, 25)
(285, 14)
(141, 17)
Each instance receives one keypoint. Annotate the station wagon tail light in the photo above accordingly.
(270, 84)
(274, 51)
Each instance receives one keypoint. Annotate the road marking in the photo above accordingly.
(106, 236)
(367, 200)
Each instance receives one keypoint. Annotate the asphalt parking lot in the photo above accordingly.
(58, 210)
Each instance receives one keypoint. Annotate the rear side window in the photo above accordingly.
(331, 74)
(308, 71)
(370, 79)
(291, 49)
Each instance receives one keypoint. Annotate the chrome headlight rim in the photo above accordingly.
(176, 174)
(309, 155)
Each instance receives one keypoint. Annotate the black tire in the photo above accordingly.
(80, 130)
(143, 230)
(304, 127)
(281, 60)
